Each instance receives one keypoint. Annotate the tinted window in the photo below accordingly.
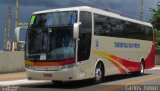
(57, 43)
(85, 33)
(53, 19)
(107, 26)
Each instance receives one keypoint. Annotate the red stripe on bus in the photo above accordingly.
(130, 65)
(135, 66)
(118, 66)
(150, 60)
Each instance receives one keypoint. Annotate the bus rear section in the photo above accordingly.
(124, 45)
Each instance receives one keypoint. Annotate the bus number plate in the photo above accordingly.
(43, 57)
(47, 75)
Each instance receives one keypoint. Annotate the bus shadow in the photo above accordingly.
(122, 77)
(64, 85)
(83, 83)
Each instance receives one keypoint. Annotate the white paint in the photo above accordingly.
(20, 82)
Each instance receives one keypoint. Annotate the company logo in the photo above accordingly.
(126, 45)
(97, 44)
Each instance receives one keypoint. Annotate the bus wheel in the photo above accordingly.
(142, 68)
(98, 74)
(141, 72)
(57, 83)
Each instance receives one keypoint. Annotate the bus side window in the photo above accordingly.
(85, 33)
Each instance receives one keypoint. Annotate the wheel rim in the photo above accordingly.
(142, 68)
(98, 74)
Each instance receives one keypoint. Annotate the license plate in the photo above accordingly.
(43, 57)
(47, 75)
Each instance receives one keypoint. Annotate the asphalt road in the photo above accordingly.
(150, 81)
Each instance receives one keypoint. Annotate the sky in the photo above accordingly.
(129, 8)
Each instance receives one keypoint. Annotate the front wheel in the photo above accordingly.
(98, 74)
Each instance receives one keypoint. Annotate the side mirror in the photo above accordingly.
(76, 30)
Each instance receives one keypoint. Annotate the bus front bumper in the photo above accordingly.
(61, 75)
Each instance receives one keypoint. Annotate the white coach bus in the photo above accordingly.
(77, 43)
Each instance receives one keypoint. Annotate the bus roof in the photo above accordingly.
(97, 11)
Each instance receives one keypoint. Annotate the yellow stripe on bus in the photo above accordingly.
(107, 57)
(28, 62)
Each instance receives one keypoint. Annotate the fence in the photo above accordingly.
(157, 59)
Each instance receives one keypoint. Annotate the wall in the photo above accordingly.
(157, 59)
(11, 61)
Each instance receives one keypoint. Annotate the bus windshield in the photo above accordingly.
(52, 37)
(64, 18)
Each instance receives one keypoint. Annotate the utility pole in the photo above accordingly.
(18, 24)
(141, 11)
(17, 17)
(5, 34)
(9, 23)
(17, 13)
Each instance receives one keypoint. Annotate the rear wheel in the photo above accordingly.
(142, 68)
(141, 71)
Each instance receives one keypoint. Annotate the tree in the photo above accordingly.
(156, 24)
(157, 41)
(156, 17)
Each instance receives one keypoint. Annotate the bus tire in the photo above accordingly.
(56, 83)
(99, 74)
(141, 72)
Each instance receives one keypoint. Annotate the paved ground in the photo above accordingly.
(12, 76)
(150, 81)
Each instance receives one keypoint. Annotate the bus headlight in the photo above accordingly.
(29, 66)
(69, 66)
